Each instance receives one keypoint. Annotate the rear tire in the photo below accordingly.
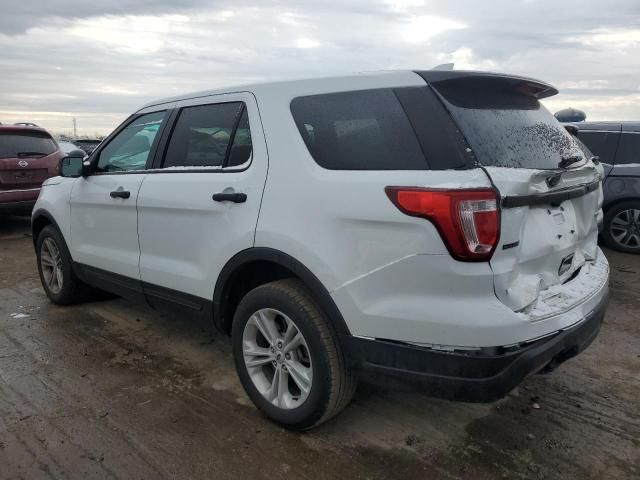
(55, 268)
(327, 382)
(621, 229)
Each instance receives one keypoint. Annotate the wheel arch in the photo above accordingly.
(613, 203)
(40, 219)
(280, 265)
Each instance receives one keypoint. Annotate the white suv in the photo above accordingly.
(437, 228)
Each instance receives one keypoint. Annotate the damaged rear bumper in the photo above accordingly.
(472, 377)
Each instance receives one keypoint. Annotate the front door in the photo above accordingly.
(104, 217)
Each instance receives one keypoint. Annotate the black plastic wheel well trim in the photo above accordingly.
(42, 213)
(320, 293)
(614, 203)
(317, 289)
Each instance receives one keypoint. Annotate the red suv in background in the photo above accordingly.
(28, 156)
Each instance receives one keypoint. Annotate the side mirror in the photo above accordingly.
(72, 166)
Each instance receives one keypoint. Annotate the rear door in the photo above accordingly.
(551, 194)
(199, 206)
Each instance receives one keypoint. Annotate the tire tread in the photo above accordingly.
(73, 290)
(608, 216)
(343, 381)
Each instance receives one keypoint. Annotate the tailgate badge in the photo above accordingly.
(23, 163)
(565, 264)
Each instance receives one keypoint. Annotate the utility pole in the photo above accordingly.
(75, 132)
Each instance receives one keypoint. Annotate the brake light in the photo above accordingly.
(468, 220)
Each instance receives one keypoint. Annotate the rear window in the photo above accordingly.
(360, 130)
(26, 144)
(508, 129)
(602, 144)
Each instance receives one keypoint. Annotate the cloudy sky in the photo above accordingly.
(99, 60)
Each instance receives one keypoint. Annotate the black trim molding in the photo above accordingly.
(36, 216)
(321, 294)
(549, 198)
(163, 298)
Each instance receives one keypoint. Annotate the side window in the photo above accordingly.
(602, 144)
(130, 149)
(241, 148)
(629, 149)
(360, 130)
(202, 135)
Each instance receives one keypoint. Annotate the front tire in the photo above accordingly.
(621, 229)
(288, 357)
(55, 268)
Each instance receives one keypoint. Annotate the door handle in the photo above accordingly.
(230, 197)
(120, 194)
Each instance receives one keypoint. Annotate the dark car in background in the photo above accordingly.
(618, 146)
(87, 145)
(69, 147)
(28, 156)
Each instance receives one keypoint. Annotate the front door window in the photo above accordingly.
(129, 150)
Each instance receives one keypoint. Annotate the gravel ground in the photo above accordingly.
(115, 390)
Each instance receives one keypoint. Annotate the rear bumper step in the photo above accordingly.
(469, 377)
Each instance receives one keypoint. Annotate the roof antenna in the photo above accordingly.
(445, 67)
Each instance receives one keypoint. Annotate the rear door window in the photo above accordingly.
(359, 130)
(208, 135)
(27, 144)
(508, 129)
(603, 144)
(629, 149)
(241, 148)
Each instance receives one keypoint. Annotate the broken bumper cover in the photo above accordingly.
(469, 377)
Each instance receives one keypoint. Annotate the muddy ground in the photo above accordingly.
(115, 390)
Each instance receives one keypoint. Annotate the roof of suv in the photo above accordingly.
(357, 81)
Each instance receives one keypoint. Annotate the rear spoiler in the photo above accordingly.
(469, 79)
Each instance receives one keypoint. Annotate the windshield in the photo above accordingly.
(507, 129)
(27, 144)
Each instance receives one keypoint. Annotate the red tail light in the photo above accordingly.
(468, 220)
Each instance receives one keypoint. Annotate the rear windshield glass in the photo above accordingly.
(360, 130)
(13, 145)
(508, 129)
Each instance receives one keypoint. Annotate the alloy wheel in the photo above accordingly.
(51, 264)
(277, 358)
(625, 228)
